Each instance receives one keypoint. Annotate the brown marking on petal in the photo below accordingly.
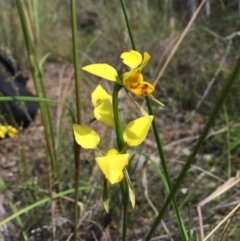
(144, 90)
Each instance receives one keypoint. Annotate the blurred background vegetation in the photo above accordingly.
(188, 88)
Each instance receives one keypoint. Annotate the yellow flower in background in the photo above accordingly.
(103, 109)
(112, 165)
(85, 136)
(131, 80)
(3, 131)
(7, 131)
(11, 131)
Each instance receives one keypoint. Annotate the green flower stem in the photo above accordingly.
(157, 138)
(165, 170)
(78, 103)
(191, 158)
(128, 25)
(121, 144)
(118, 123)
(125, 197)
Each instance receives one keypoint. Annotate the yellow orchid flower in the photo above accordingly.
(136, 131)
(103, 109)
(131, 80)
(112, 165)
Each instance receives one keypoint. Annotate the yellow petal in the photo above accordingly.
(103, 112)
(146, 58)
(2, 135)
(85, 136)
(132, 58)
(137, 130)
(11, 131)
(100, 94)
(142, 89)
(105, 71)
(112, 165)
